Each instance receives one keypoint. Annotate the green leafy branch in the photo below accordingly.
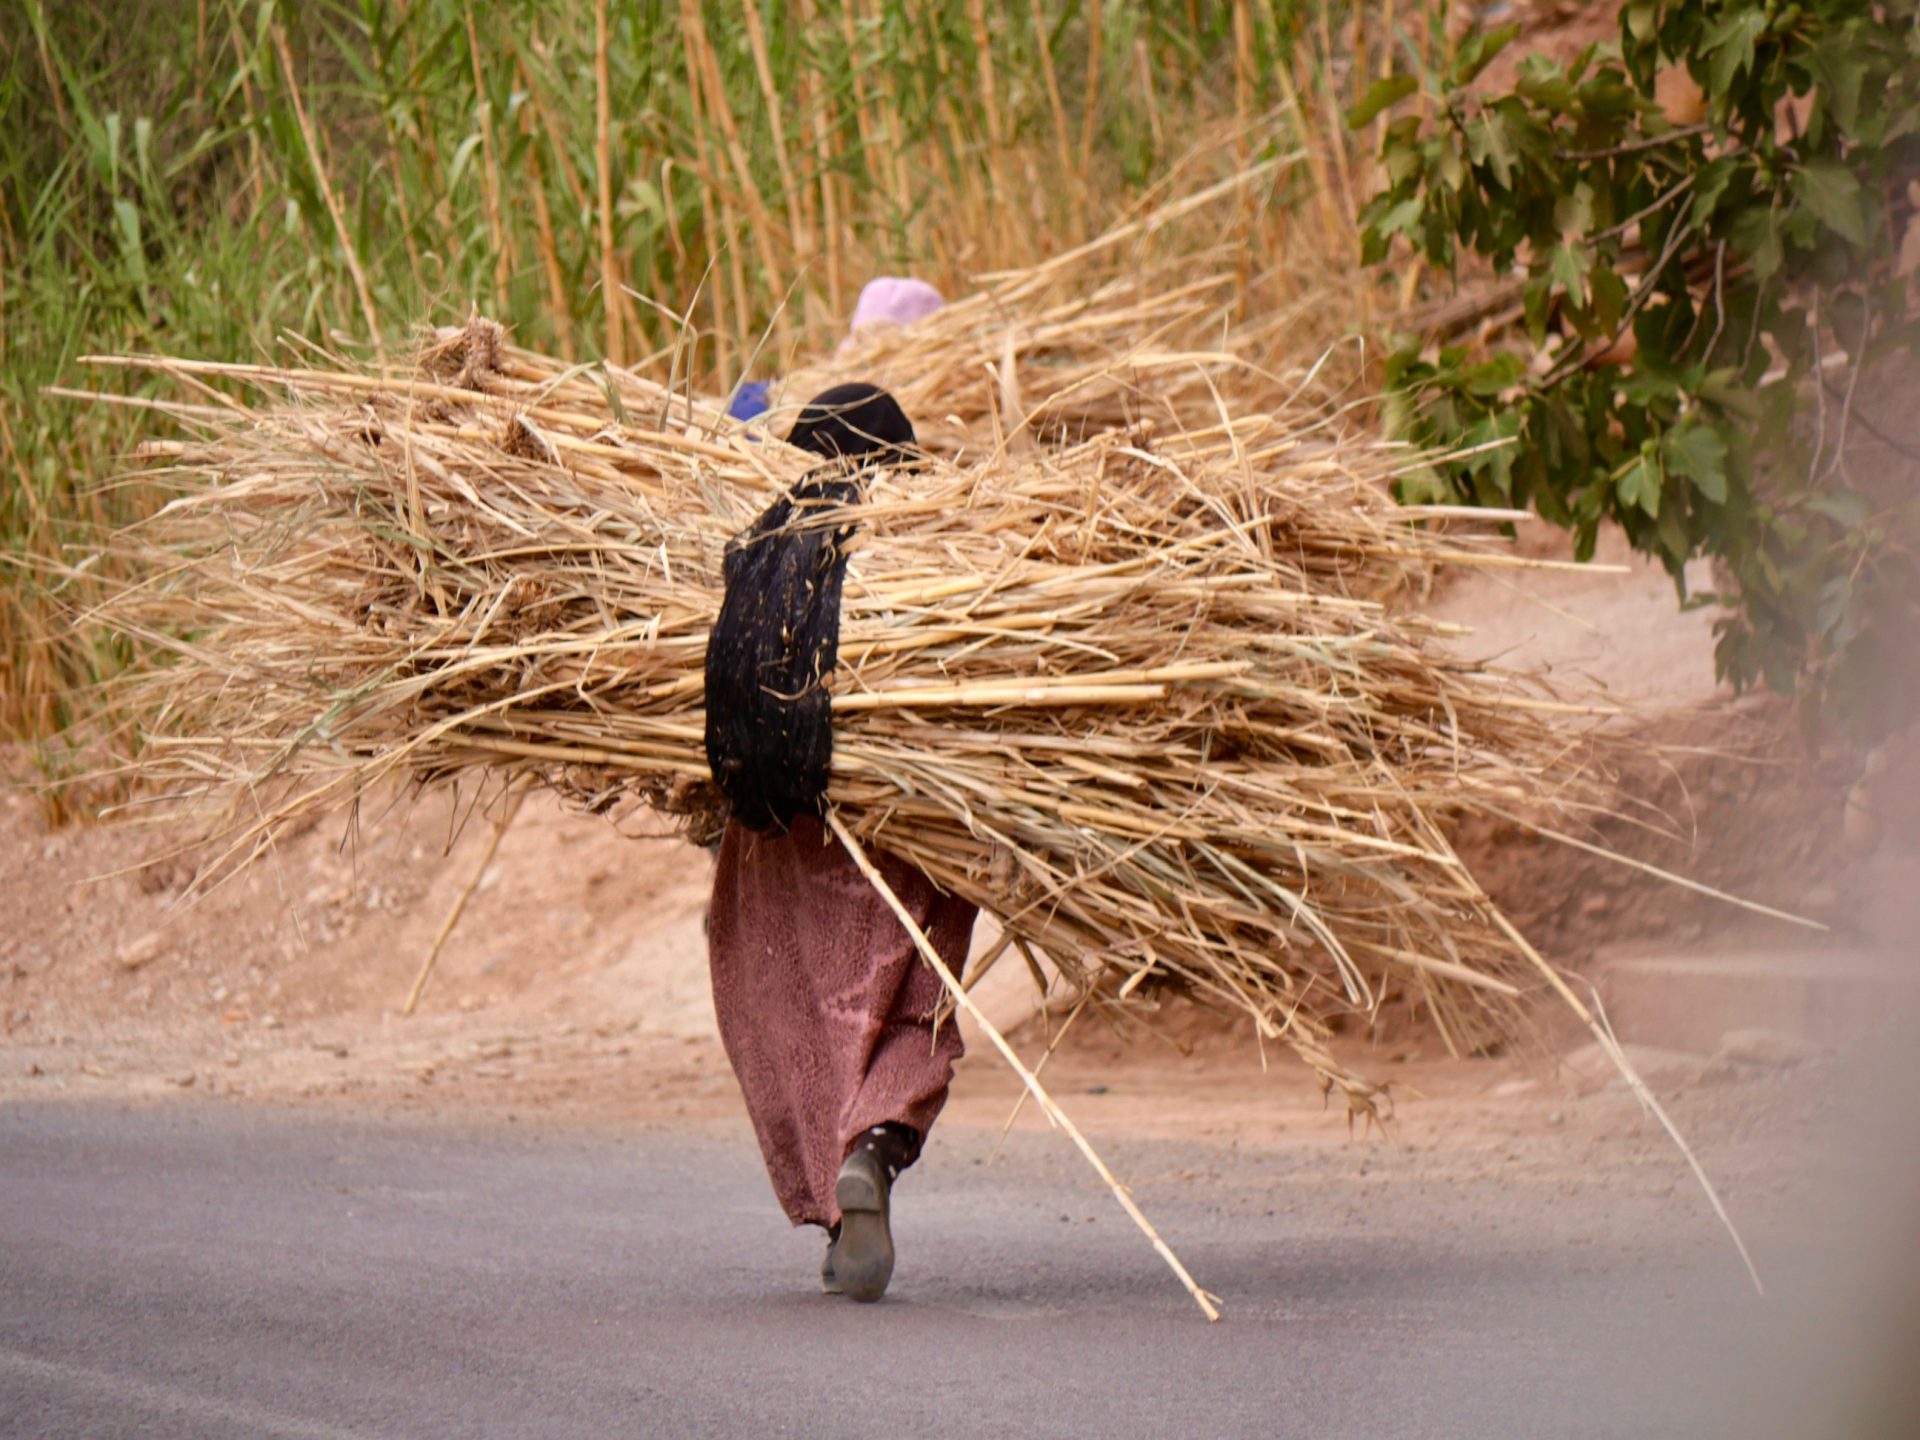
(1696, 296)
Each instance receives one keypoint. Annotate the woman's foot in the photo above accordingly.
(862, 1256)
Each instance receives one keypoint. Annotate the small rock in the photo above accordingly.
(1595, 905)
(183, 1081)
(1820, 900)
(271, 1022)
(1556, 1117)
(1860, 827)
(34, 1072)
(136, 953)
(1508, 1088)
(1772, 1048)
(1592, 1067)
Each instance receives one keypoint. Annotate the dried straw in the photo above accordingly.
(1124, 330)
(1143, 698)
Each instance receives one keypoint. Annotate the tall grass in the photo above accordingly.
(212, 176)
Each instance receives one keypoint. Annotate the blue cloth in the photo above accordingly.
(751, 399)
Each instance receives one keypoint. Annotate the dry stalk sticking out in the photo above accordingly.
(459, 907)
(1206, 1301)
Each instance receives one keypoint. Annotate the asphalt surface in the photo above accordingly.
(211, 1270)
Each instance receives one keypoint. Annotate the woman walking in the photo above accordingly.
(825, 1008)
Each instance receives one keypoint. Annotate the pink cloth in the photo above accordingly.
(825, 1006)
(892, 300)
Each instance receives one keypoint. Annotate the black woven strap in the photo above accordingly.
(769, 732)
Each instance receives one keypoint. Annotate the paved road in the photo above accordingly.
(206, 1270)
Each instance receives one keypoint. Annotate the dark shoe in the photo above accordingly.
(829, 1281)
(863, 1255)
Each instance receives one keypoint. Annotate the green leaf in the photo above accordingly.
(132, 250)
(1404, 163)
(1841, 72)
(1568, 265)
(1488, 144)
(642, 197)
(1490, 377)
(1699, 452)
(1573, 211)
(462, 158)
(1723, 389)
(1639, 485)
(1545, 86)
(1479, 51)
(1534, 307)
(1835, 598)
(1674, 539)
(1610, 296)
(1756, 234)
(1380, 95)
(1400, 218)
(1829, 190)
(143, 146)
(1843, 507)
(1710, 183)
(1730, 43)
(1641, 19)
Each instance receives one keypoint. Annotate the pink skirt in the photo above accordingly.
(825, 1006)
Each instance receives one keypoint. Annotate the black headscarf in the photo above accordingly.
(854, 422)
(769, 723)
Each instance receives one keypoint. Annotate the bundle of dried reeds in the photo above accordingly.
(1142, 700)
(1121, 331)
